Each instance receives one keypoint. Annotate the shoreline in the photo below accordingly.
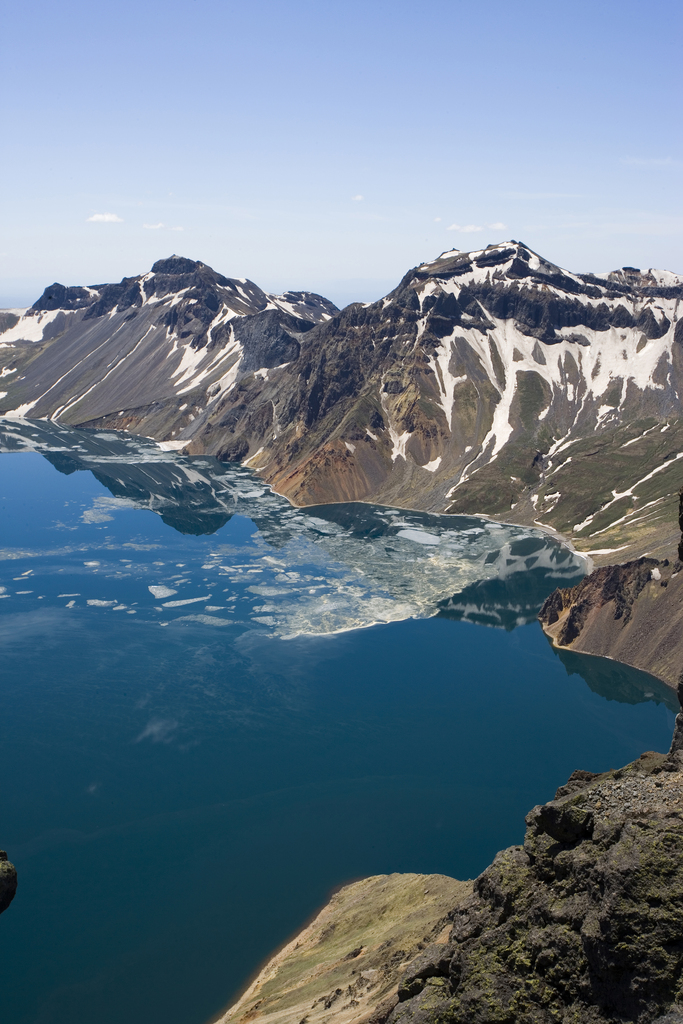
(630, 612)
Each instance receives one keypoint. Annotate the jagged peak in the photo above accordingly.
(513, 262)
(177, 265)
(177, 279)
(636, 278)
(507, 261)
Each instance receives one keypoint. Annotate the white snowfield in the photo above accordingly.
(31, 326)
(604, 358)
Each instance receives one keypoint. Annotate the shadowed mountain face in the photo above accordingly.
(140, 349)
(490, 381)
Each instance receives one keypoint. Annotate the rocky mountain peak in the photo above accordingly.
(515, 263)
(176, 265)
(59, 296)
(183, 282)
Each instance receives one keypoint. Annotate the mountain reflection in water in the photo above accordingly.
(615, 681)
(343, 566)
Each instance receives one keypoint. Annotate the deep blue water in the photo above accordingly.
(182, 787)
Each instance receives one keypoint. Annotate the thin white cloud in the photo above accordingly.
(105, 218)
(466, 229)
(154, 227)
(437, 219)
(178, 228)
(498, 226)
(357, 199)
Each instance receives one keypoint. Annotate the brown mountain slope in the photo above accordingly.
(631, 612)
(350, 958)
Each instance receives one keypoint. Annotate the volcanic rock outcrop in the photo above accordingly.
(582, 924)
(8, 881)
(631, 612)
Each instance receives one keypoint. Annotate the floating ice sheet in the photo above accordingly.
(306, 571)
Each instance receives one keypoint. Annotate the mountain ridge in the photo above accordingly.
(490, 381)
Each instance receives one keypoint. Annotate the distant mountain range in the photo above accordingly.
(487, 382)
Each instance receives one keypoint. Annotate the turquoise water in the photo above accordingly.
(188, 770)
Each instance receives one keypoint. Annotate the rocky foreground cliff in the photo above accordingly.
(487, 382)
(582, 924)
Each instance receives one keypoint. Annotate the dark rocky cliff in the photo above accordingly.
(8, 881)
(582, 923)
(632, 612)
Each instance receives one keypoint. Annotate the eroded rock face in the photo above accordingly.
(619, 585)
(582, 924)
(8, 881)
(632, 612)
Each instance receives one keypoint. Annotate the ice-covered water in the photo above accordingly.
(302, 572)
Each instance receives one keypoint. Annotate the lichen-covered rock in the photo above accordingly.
(582, 924)
(8, 881)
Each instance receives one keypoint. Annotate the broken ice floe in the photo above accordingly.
(307, 571)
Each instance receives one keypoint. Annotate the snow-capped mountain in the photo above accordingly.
(147, 342)
(491, 381)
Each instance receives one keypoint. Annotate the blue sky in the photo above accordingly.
(333, 145)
